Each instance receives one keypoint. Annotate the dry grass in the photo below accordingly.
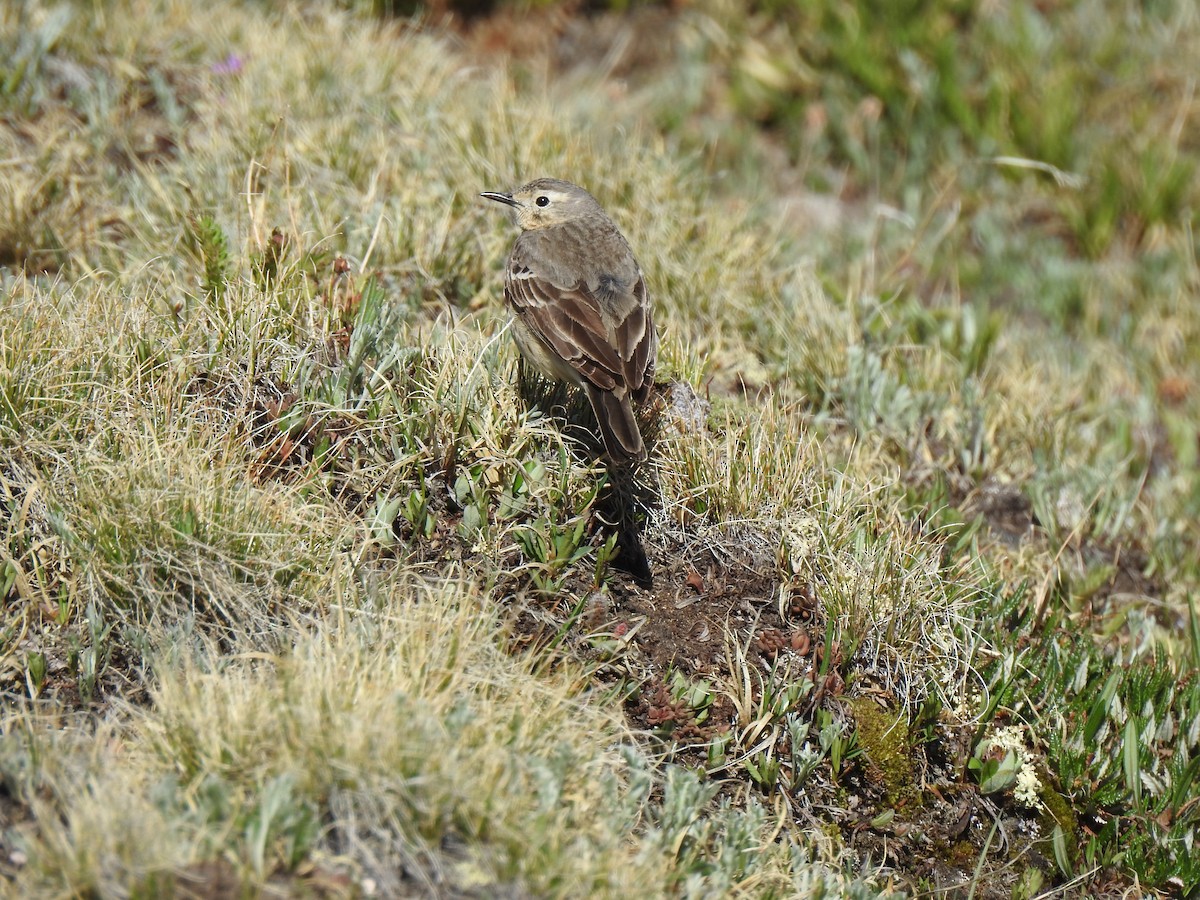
(302, 597)
(436, 753)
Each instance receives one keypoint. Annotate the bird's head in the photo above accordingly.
(546, 202)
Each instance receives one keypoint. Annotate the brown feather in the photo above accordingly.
(618, 425)
(582, 315)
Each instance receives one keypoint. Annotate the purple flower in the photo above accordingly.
(230, 65)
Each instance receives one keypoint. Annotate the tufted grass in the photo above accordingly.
(301, 596)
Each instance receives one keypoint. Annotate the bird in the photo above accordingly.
(580, 309)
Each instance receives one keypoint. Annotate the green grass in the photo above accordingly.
(299, 593)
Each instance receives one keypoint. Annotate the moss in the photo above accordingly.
(1056, 811)
(883, 735)
(962, 854)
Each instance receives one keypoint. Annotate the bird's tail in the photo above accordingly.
(618, 508)
(618, 425)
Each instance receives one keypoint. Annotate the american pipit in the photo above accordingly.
(579, 305)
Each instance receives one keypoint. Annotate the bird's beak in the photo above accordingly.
(501, 198)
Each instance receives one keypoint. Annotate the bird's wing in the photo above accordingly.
(570, 321)
(637, 342)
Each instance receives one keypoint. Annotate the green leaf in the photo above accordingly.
(1099, 710)
(1131, 761)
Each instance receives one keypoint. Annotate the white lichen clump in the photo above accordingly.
(1028, 789)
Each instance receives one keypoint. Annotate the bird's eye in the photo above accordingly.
(542, 201)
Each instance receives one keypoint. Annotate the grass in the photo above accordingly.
(302, 596)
